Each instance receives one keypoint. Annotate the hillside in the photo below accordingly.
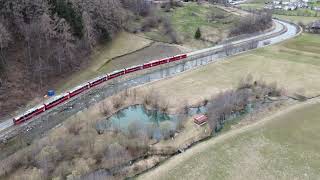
(44, 41)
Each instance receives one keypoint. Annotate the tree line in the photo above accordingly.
(257, 21)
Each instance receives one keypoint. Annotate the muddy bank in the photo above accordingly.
(155, 51)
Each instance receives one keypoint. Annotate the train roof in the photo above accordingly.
(116, 71)
(54, 98)
(166, 58)
(133, 67)
(97, 78)
(77, 87)
(29, 111)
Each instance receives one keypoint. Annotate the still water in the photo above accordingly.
(138, 114)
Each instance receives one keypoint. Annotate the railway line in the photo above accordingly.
(282, 31)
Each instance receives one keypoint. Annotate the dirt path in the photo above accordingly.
(233, 10)
(174, 161)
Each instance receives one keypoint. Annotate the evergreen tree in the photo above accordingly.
(198, 34)
(65, 10)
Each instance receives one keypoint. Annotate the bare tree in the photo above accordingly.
(89, 32)
(5, 39)
(259, 21)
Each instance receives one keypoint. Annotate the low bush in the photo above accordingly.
(259, 21)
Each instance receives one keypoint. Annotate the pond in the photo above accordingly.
(138, 114)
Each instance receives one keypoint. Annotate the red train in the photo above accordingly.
(57, 100)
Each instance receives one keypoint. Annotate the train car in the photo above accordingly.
(133, 69)
(56, 101)
(79, 89)
(178, 57)
(183, 56)
(97, 81)
(160, 62)
(147, 65)
(115, 74)
(164, 61)
(174, 58)
(29, 114)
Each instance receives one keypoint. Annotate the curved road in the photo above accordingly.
(282, 31)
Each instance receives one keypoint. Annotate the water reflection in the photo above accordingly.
(139, 115)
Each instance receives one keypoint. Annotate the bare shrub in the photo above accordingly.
(139, 7)
(150, 22)
(167, 7)
(205, 102)
(81, 166)
(47, 158)
(185, 108)
(149, 97)
(212, 120)
(117, 101)
(170, 31)
(115, 155)
(181, 119)
(246, 82)
(259, 21)
(74, 128)
(31, 173)
(164, 106)
(133, 93)
(105, 109)
(126, 93)
(231, 102)
(62, 170)
(167, 129)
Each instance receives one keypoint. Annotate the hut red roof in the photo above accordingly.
(200, 119)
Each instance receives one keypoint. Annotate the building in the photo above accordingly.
(309, 1)
(316, 8)
(200, 119)
(269, 6)
(278, 7)
(290, 7)
(276, 2)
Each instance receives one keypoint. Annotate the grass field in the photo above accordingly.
(286, 147)
(248, 6)
(294, 65)
(185, 21)
(297, 19)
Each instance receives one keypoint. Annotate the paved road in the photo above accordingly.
(290, 32)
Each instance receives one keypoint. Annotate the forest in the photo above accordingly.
(42, 41)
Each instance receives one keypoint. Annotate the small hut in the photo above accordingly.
(200, 119)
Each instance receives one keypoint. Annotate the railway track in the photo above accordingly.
(282, 31)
